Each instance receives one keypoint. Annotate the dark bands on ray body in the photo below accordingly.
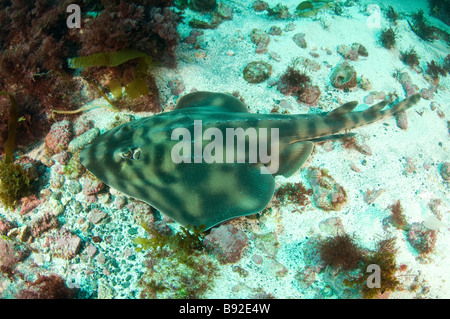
(135, 158)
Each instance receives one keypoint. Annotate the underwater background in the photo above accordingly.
(379, 197)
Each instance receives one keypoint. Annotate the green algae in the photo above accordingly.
(384, 257)
(184, 241)
(311, 8)
(105, 59)
(14, 181)
(14, 184)
(177, 265)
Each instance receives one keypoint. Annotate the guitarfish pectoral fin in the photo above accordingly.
(208, 194)
(293, 156)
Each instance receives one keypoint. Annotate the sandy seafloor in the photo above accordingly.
(218, 66)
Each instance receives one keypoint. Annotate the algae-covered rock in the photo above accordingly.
(261, 39)
(299, 39)
(257, 71)
(344, 76)
(200, 24)
(327, 193)
(280, 11)
(310, 95)
(421, 238)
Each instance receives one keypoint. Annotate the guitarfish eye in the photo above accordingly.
(127, 154)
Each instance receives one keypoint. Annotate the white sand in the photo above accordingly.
(389, 144)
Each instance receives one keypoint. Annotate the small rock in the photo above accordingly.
(327, 193)
(176, 87)
(360, 49)
(344, 76)
(5, 226)
(200, 24)
(257, 71)
(20, 233)
(427, 94)
(275, 56)
(371, 195)
(445, 171)
(192, 38)
(401, 120)
(63, 157)
(91, 250)
(365, 83)
(309, 64)
(379, 95)
(332, 226)
(260, 6)
(230, 53)
(406, 81)
(58, 138)
(120, 201)
(101, 258)
(43, 223)
(47, 160)
(142, 212)
(261, 39)
(268, 244)
(72, 187)
(275, 30)
(224, 12)
(347, 52)
(355, 168)
(81, 125)
(369, 99)
(299, 39)
(29, 203)
(277, 269)
(105, 291)
(65, 245)
(91, 185)
(310, 95)
(55, 206)
(280, 11)
(75, 206)
(289, 27)
(353, 52)
(12, 253)
(421, 238)
(96, 215)
(257, 259)
(103, 198)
